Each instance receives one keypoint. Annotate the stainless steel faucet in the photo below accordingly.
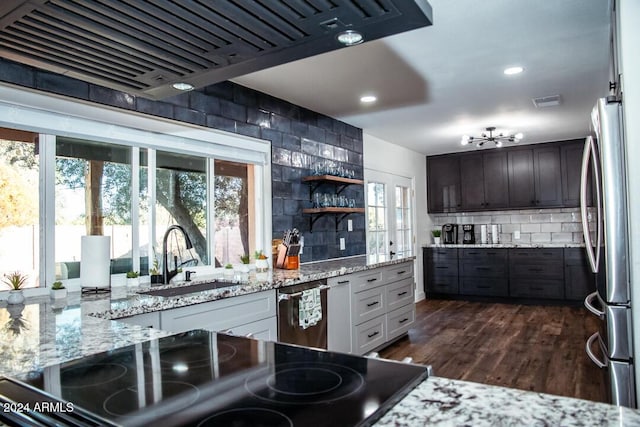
(166, 274)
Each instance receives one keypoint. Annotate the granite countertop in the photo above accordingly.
(506, 245)
(44, 332)
(128, 302)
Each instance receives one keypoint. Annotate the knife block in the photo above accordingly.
(292, 262)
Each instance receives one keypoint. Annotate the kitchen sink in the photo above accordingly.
(183, 290)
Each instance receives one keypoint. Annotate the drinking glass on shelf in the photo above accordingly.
(352, 203)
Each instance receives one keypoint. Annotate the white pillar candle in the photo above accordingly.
(95, 261)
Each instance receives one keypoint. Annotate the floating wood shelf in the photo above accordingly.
(340, 184)
(332, 178)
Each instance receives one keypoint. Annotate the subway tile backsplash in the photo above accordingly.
(542, 226)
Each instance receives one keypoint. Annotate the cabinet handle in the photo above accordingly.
(403, 320)
(484, 287)
(402, 272)
(371, 280)
(483, 268)
(535, 269)
(402, 293)
(537, 289)
(492, 253)
(442, 268)
(472, 253)
(373, 334)
(342, 282)
(371, 304)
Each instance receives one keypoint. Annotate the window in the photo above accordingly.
(377, 228)
(130, 184)
(19, 204)
(404, 232)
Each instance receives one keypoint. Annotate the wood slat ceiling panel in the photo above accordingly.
(143, 46)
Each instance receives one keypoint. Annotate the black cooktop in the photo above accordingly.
(201, 378)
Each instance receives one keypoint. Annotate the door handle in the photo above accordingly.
(591, 354)
(588, 302)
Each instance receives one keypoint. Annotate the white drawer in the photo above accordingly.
(399, 321)
(397, 272)
(369, 335)
(400, 294)
(366, 280)
(368, 304)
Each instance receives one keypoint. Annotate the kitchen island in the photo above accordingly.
(46, 333)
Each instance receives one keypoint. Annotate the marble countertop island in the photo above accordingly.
(44, 332)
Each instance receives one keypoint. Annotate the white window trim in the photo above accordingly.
(49, 114)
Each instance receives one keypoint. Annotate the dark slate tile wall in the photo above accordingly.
(299, 138)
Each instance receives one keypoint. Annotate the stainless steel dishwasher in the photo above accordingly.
(290, 329)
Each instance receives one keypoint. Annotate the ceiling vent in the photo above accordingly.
(546, 101)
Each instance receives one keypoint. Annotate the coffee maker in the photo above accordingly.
(450, 234)
(468, 234)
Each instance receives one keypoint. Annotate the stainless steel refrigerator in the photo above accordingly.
(605, 226)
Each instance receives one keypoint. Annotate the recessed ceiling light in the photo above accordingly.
(513, 70)
(182, 86)
(350, 38)
(368, 99)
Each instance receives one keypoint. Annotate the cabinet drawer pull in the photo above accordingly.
(403, 320)
(342, 282)
(371, 304)
(537, 288)
(484, 287)
(402, 293)
(372, 280)
(472, 253)
(402, 272)
(373, 334)
(492, 253)
(535, 269)
(483, 268)
(442, 267)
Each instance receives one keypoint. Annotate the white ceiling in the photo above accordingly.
(438, 83)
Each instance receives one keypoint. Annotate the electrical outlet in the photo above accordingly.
(349, 225)
(342, 244)
(516, 234)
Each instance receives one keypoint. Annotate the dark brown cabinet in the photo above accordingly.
(484, 181)
(443, 183)
(571, 158)
(440, 270)
(483, 272)
(536, 274)
(579, 281)
(534, 176)
(548, 184)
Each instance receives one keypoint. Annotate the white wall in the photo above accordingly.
(629, 40)
(383, 156)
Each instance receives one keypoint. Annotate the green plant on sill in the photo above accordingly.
(57, 285)
(245, 259)
(15, 280)
(260, 255)
(229, 266)
(155, 270)
(132, 274)
(436, 233)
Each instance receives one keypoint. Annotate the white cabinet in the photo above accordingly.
(369, 309)
(242, 315)
(339, 314)
(146, 320)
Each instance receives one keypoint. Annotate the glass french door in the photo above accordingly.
(390, 230)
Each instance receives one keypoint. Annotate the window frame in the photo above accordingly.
(43, 113)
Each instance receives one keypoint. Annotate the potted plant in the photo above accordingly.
(15, 281)
(262, 263)
(154, 272)
(436, 236)
(58, 291)
(228, 270)
(133, 278)
(244, 267)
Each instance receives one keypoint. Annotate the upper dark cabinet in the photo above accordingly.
(443, 183)
(571, 158)
(484, 181)
(548, 183)
(531, 176)
(534, 177)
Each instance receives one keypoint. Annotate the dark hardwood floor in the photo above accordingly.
(529, 347)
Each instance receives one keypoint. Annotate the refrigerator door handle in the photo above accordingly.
(590, 352)
(588, 302)
(590, 155)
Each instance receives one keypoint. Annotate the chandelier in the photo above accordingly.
(488, 136)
